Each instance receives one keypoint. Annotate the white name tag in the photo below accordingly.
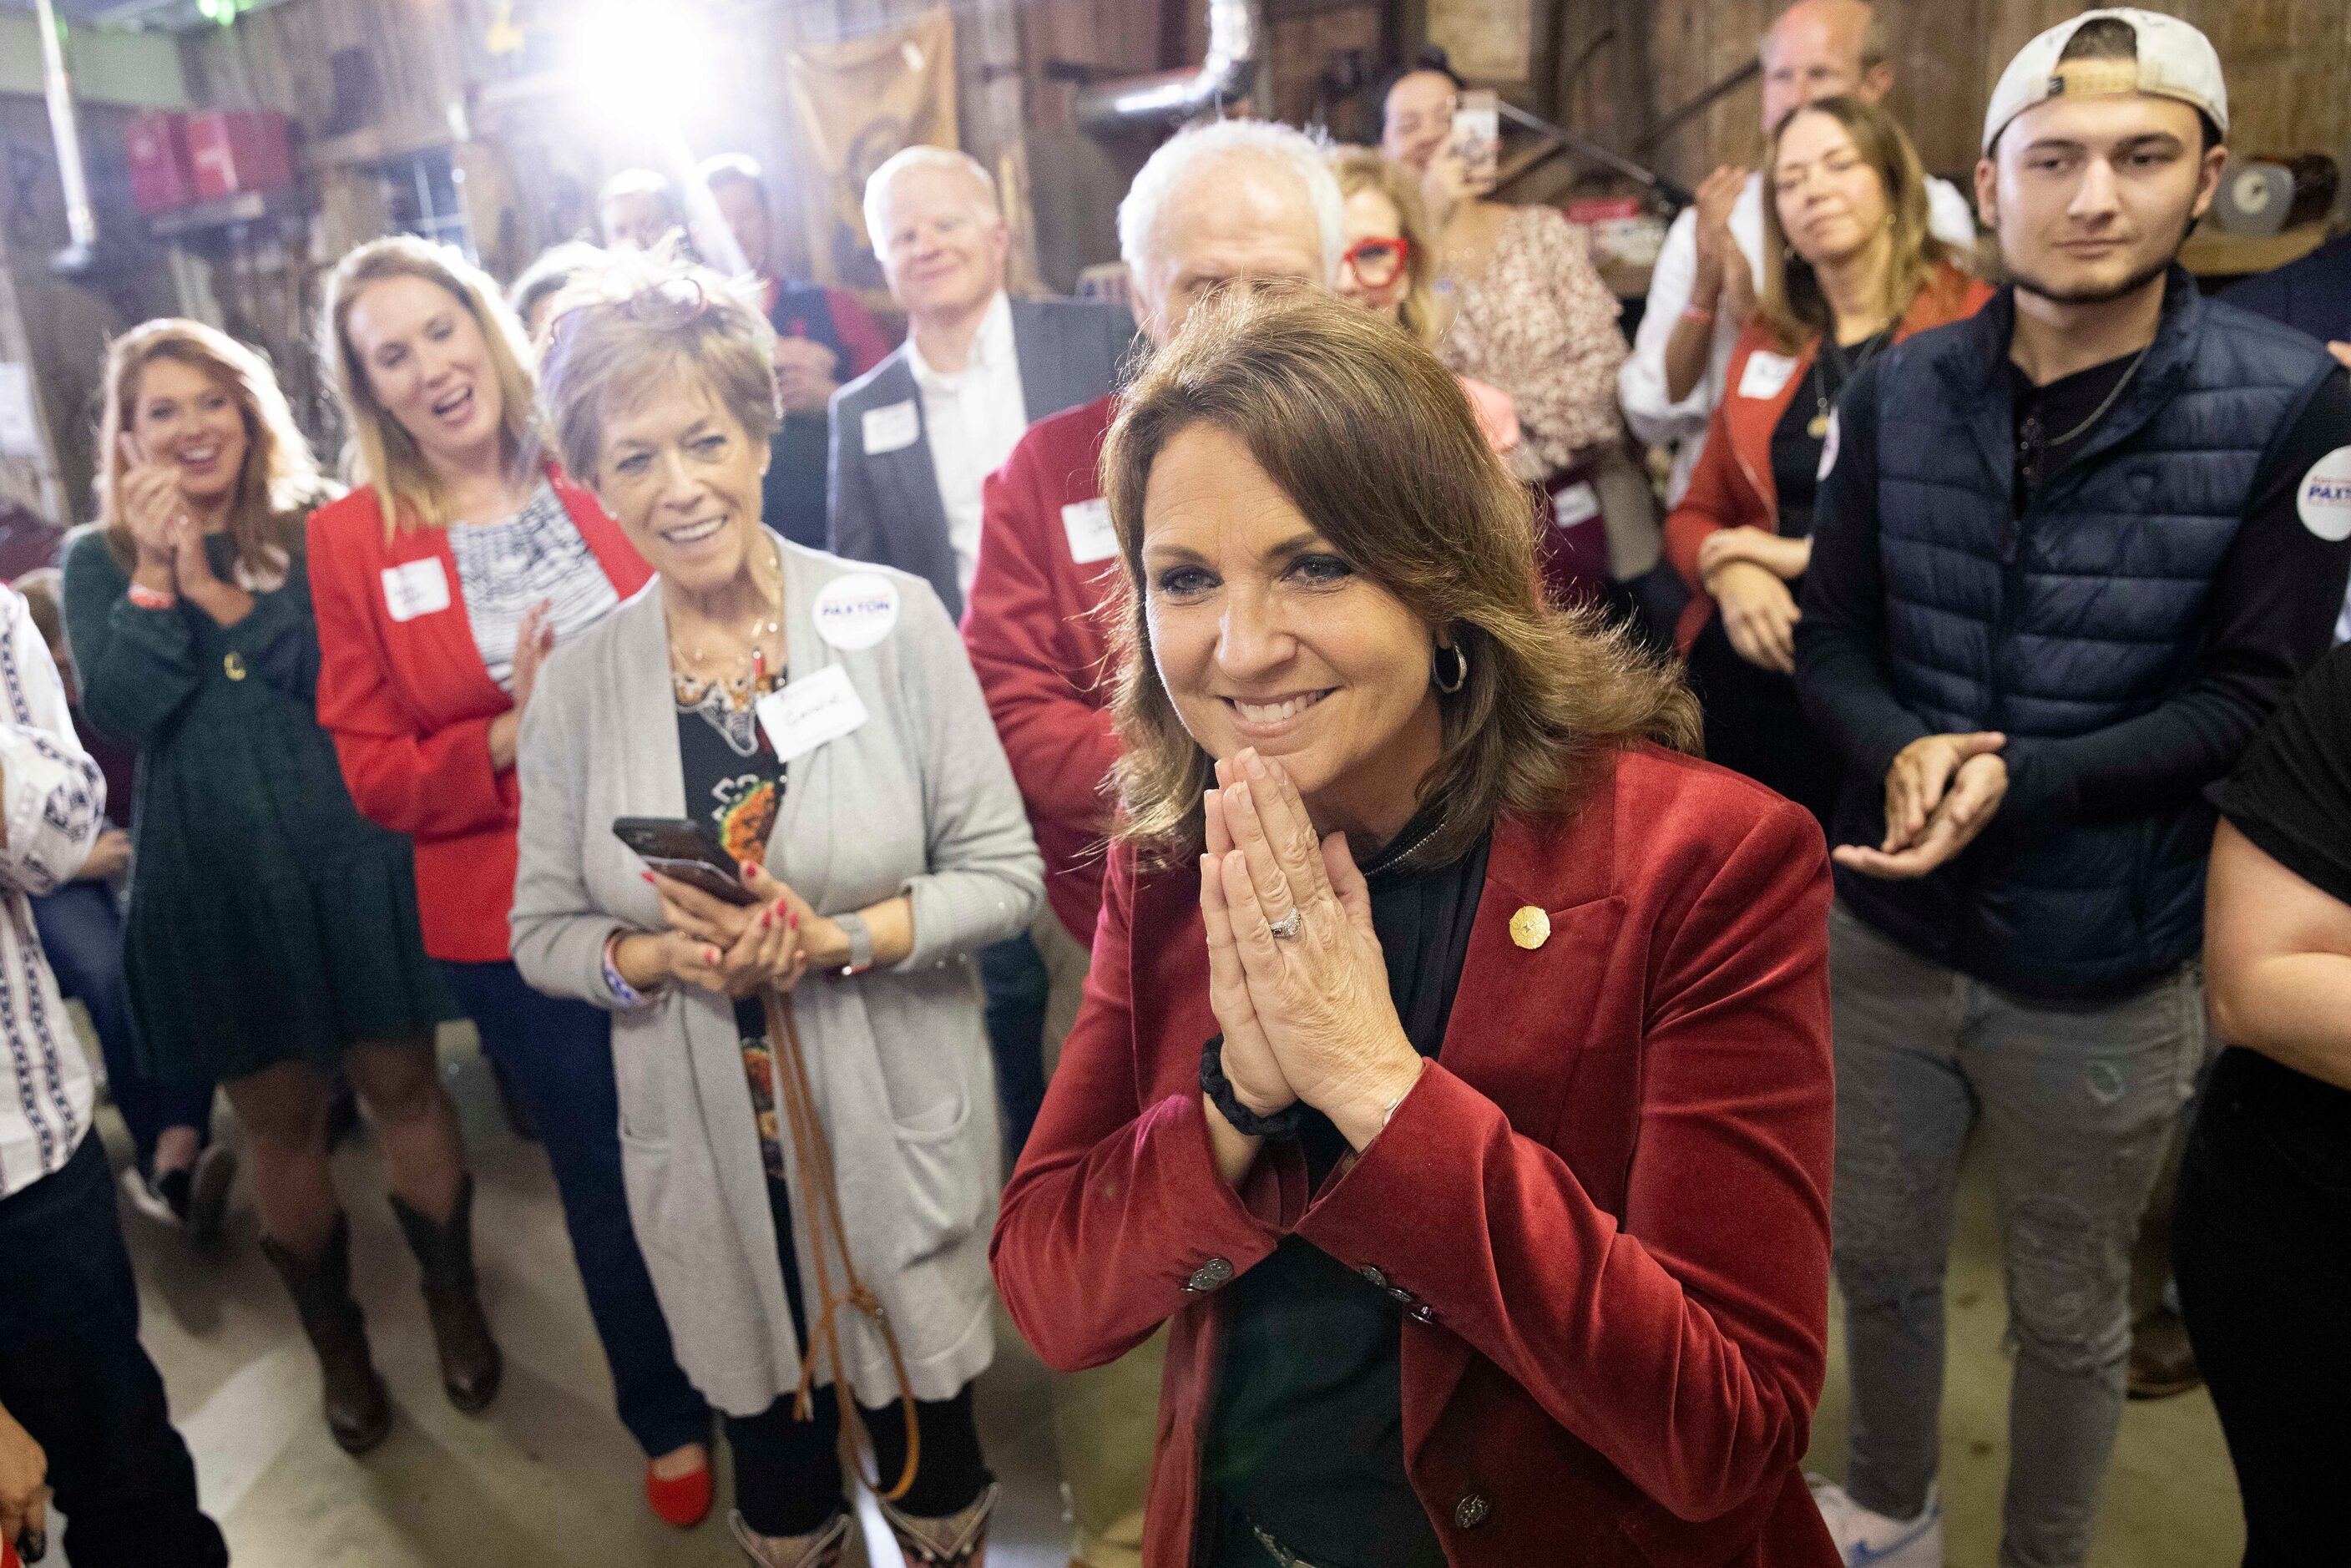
(2325, 502)
(1091, 539)
(419, 588)
(891, 429)
(1576, 504)
(855, 612)
(1765, 375)
(810, 711)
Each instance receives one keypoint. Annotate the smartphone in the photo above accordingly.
(689, 851)
(1477, 136)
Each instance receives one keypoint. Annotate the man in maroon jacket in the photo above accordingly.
(1233, 201)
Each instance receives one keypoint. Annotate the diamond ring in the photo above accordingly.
(1288, 925)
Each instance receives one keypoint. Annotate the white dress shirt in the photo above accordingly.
(1641, 385)
(974, 418)
(54, 801)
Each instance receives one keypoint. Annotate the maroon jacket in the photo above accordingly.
(1604, 1205)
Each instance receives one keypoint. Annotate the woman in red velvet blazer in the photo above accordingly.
(1454, 1071)
(441, 583)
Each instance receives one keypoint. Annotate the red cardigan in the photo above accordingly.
(1731, 485)
(1037, 624)
(1605, 1203)
(409, 704)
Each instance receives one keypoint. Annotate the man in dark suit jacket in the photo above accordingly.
(913, 438)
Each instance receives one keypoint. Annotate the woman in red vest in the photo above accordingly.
(442, 583)
(1849, 267)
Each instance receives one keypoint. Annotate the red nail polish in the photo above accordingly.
(767, 919)
(749, 869)
(646, 875)
(793, 921)
(710, 954)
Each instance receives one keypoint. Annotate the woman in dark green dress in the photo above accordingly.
(272, 935)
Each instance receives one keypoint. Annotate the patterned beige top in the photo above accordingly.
(1539, 324)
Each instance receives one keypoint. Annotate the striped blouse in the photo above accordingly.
(505, 568)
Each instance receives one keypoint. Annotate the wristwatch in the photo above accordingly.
(860, 943)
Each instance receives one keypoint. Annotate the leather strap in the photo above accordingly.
(819, 1204)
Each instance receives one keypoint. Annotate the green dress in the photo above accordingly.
(268, 920)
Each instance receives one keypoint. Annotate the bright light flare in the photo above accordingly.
(646, 64)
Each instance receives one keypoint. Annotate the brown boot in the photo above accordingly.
(959, 1541)
(470, 1363)
(359, 1411)
(2162, 1362)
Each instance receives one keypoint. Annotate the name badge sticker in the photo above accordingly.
(855, 612)
(417, 588)
(891, 429)
(1091, 539)
(1577, 503)
(2325, 502)
(1765, 375)
(807, 712)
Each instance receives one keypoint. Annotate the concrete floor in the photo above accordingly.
(547, 1477)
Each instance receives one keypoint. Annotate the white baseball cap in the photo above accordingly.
(2175, 60)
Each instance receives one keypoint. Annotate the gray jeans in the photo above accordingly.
(2078, 1103)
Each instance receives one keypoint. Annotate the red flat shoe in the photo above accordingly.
(682, 1501)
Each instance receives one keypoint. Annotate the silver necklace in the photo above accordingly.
(2100, 411)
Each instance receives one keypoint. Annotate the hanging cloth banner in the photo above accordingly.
(854, 103)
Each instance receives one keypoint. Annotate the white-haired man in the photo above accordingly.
(1704, 282)
(1225, 204)
(913, 438)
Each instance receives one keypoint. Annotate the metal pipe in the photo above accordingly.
(1591, 151)
(1235, 32)
(81, 224)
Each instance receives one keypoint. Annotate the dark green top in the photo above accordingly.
(268, 919)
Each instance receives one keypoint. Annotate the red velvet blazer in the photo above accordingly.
(409, 704)
(1604, 1205)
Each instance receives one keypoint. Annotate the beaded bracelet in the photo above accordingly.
(623, 994)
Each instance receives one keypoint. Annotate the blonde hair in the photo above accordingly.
(377, 451)
(280, 479)
(1373, 441)
(621, 332)
(1362, 169)
(1790, 305)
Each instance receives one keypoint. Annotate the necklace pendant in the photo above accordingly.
(1818, 427)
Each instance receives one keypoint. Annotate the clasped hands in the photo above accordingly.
(1940, 793)
(1308, 1016)
(733, 949)
(1747, 570)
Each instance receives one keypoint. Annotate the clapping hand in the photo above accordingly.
(1306, 1016)
(150, 505)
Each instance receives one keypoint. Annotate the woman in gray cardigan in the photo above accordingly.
(819, 719)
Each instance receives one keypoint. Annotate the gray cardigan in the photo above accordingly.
(919, 800)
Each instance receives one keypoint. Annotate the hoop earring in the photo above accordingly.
(1460, 663)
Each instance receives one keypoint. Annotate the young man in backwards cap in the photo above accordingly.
(2068, 555)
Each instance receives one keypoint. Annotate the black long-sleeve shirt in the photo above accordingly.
(2271, 613)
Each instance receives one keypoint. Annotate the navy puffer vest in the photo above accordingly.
(2086, 611)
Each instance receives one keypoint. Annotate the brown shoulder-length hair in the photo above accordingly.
(376, 450)
(1790, 303)
(1371, 439)
(280, 481)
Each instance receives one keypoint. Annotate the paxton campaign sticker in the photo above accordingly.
(2325, 499)
(857, 611)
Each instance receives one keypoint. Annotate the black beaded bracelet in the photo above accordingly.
(1283, 1123)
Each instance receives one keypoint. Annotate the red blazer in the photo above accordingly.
(1731, 486)
(409, 704)
(1037, 624)
(1605, 1203)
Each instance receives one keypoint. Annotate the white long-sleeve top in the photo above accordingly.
(1662, 420)
(53, 800)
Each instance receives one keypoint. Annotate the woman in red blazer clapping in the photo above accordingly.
(1454, 1073)
(1850, 268)
(442, 583)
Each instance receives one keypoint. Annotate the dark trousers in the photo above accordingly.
(2261, 1247)
(787, 1478)
(1016, 985)
(558, 1054)
(81, 931)
(73, 1375)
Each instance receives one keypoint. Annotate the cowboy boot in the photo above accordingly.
(819, 1549)
(470, 1363)
(359, 1411)
(959, 1541)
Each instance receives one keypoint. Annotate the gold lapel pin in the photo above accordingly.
(1530, 927)
(233, 663)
